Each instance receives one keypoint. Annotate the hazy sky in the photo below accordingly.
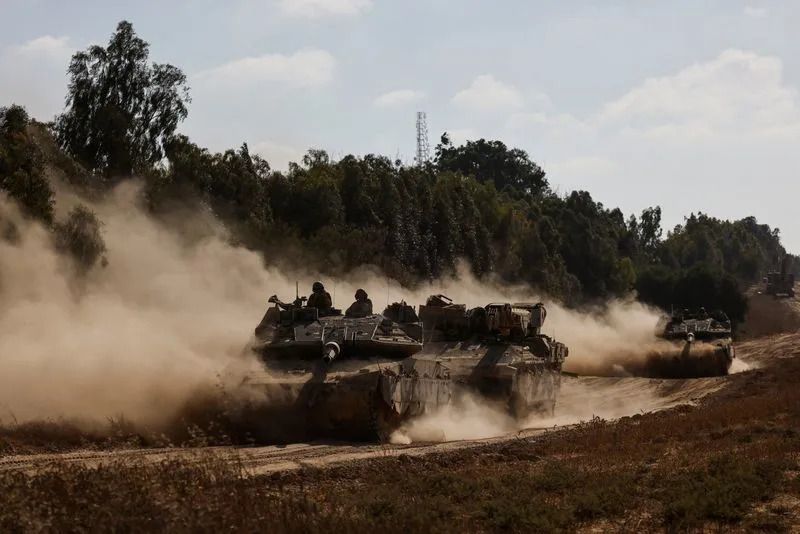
(639, 102)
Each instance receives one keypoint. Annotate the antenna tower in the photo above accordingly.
(423, 148)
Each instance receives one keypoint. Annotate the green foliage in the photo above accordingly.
(644, 235)
(233, 184)
(700, 286)
(626, 273)
(590, 237)
(492, 161)
(419, 222)
(21, 170)
(80, 237)
(704, 262)
(120, 109)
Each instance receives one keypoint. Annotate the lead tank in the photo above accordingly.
(324, 374)
(692, 345)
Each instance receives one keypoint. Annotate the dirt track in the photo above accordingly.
(258, 460)
(581, 399)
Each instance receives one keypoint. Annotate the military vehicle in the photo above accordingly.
(693, 345)
(325, 374)
(780, 283)
(497, 351)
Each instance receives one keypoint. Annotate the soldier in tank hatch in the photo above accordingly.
(361, 307)
(319, 298)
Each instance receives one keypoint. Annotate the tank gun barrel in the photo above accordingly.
(330, 351)
(298, 302)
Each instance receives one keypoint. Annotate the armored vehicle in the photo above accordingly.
(693, 345)
(496, 351)
(780, 283)
(325, 374)
(298, 332)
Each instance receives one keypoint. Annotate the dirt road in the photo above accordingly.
(257, 460)
(582, 398)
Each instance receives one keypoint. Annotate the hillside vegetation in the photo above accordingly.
(483, 201)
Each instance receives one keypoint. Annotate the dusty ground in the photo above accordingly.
(582, 398)
(767, 315)
(712, 454)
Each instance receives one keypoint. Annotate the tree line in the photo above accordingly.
(482, 202)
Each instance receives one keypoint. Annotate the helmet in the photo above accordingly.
(361, 294)
(317, 287)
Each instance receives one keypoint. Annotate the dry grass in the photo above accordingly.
(203, 422)
(174, 496)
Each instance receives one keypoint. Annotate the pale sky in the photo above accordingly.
(684, 104)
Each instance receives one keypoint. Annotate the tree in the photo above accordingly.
(492, 161)
(316, 158)
(650, 232)
(358, 190)
(21, 170)
(80, 237)
(120, 109)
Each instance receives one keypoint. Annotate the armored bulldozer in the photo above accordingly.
(693, 345)
(325, 374)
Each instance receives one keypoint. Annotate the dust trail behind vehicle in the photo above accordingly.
(178, 302)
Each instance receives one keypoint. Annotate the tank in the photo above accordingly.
(326, 375)
(693, 345)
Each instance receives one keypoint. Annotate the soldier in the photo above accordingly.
(361, 307)
(702, 314)
(319, 298)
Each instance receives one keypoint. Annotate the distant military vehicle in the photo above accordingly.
(701, 346)
(780, 283)
(328, 375)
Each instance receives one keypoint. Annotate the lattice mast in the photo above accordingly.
(423, 147)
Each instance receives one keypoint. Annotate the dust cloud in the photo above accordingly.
(739, 365)
(581, 399)
(585, 398)
(177, 303)
(141, 335)
(471, 418)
